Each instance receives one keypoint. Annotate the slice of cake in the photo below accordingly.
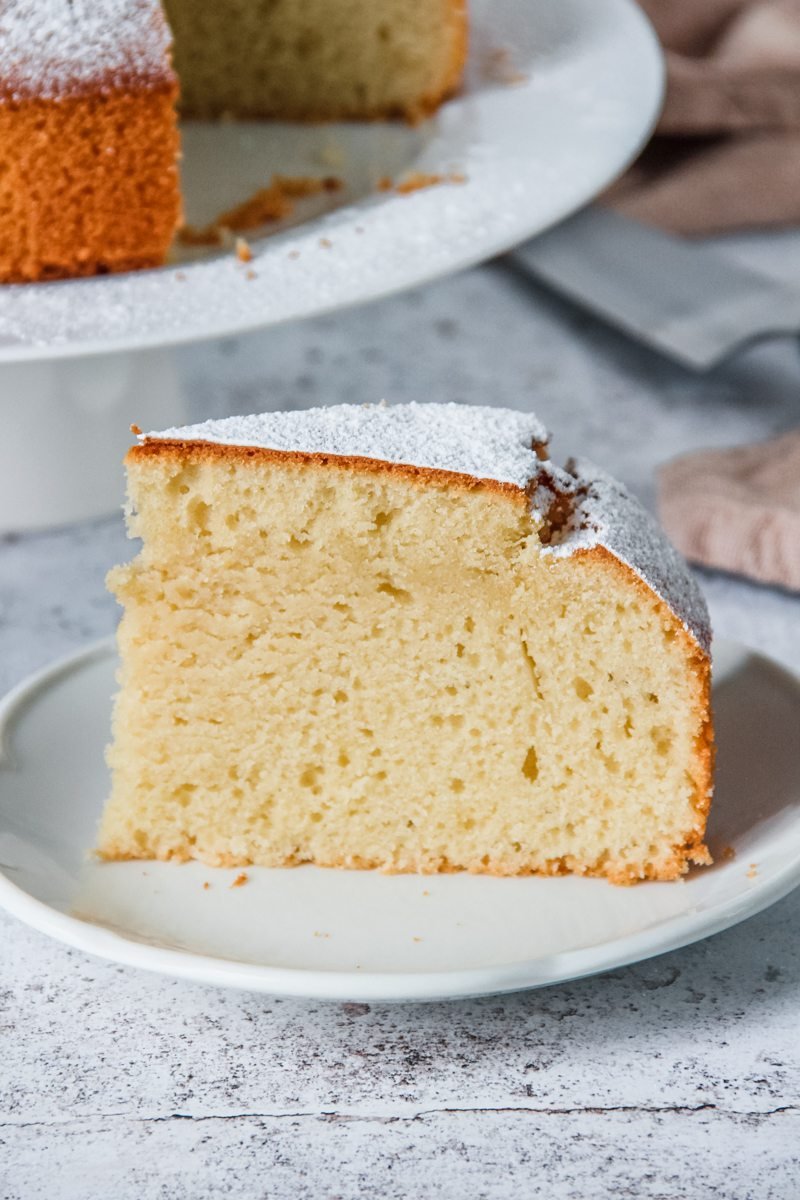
(401, 637)
(88, 138)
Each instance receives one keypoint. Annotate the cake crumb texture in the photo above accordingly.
(317, 60)
(327, 662)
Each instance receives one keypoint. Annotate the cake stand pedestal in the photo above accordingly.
(66, 429)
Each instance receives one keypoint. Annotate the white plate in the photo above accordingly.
(531, 153)
(351, 935)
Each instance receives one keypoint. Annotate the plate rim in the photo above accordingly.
(28, 351)
(673, 933)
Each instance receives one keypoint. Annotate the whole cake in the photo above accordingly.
(401, 637)
(88, 133)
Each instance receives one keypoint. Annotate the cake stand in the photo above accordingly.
(557, 101)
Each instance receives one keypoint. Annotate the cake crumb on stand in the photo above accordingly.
(498, 67)
(266, 205)
(418, 181)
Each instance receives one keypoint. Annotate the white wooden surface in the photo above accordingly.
(676, 1078)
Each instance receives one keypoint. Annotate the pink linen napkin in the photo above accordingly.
(726, 154)
(726, 157)
(738, 510)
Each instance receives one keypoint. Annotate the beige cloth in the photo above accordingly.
(727, 151)
(738, 510)
(726, 157)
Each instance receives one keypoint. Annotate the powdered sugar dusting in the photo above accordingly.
(606, 514)
(485, 443)
(56, 48)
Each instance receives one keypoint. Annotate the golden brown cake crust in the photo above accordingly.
(16, 87)
(198, 452)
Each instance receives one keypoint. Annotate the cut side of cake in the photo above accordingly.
(88, 128)
(401, 637)
(319, 59)
(88, 138)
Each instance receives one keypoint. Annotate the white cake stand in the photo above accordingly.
(558, 99)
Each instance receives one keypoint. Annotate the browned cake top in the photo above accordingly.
(50, 49)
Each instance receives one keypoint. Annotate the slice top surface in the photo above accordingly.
(494, 444)
(578, 508)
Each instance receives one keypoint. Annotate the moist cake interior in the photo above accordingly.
(354, 666)
(312, 60)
